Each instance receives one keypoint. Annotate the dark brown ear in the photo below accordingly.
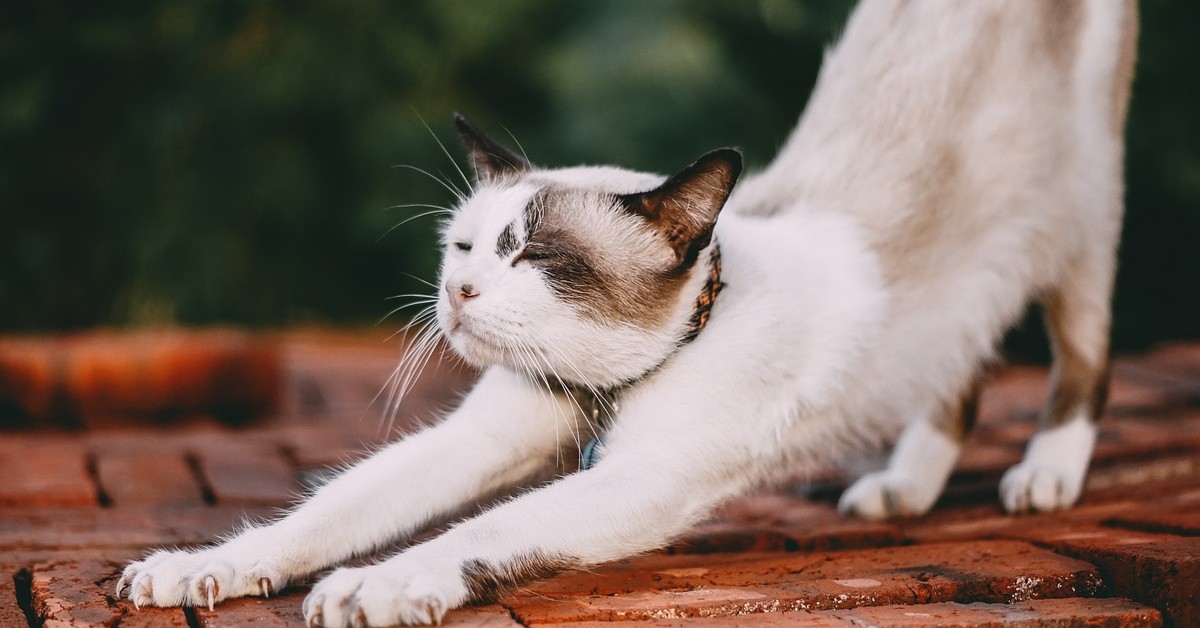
(488, 158)
(685, 208)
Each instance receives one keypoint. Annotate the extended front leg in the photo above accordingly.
(637, 498)
(605, 513)
(504, 432)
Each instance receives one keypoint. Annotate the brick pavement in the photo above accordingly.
(80, 497)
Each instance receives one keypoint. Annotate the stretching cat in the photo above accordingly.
(957, 160)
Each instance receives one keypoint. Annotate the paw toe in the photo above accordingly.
(1027, 487)
(865, 499)
(879, 496)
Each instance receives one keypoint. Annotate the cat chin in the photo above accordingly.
(473, 348)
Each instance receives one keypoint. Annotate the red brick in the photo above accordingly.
(783, 523)
(1176, 367)
(151, 372)
(1156, 569)
(733, 584)
(1114, 613)
(1128, 396)
(119, 374)
(28, 378)
(45, 472)
(1018, 391)
(492, 616)
(179, 436)
(11, 614)
(246, 472)
(1179, 520)
(316, 445)
(1131, 437)
(1143, 479)
(1099, 612)
(281, 610)
(148, 477)
(990, 521)
(1011, 433)
(135, 528)
(808, 619)
(981, 457)
(285, 610)
(77, 590)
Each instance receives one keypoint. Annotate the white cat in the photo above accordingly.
(957, 160)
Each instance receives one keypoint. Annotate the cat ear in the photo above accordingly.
(685, 208)
(489, 158)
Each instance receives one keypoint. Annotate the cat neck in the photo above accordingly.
(605, 396)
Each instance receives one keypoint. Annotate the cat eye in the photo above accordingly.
(532, 255)
(465, 247)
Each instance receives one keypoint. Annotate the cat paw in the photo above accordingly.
(880, 495)
(1030, 486)
(192, 578)
(384, 595)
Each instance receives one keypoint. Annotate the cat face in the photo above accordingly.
(580, 274)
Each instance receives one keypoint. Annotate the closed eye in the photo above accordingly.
(465, 247)
(533, 255)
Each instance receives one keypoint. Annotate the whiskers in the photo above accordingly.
(443, 180)
(423, 335)
(548, 367)
(539, 362)
(418, 351)
(435, 210)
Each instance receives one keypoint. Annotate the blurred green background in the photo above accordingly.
(234, 162)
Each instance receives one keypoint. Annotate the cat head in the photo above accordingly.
(587, 274)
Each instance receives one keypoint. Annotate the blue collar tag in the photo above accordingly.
(590, 454)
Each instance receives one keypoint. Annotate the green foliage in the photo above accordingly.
(235, 162)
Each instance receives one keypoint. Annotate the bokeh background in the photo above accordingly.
(169, 162)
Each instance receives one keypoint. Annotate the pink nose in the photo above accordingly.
(461, 294)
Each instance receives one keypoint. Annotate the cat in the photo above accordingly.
(957, 161)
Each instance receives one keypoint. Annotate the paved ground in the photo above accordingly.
(76, 503)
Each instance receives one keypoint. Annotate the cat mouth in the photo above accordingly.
(466, 332)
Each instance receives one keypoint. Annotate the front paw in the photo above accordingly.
(885, 494)
(1035, 485)
(194, 578)
(394, 592)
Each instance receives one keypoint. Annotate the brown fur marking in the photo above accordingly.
(611, 255)
(605, 289)
(1076, 383)
(490, 159)
(1062, 23)
(958, 419)
(685, 207)
(507, 243)
(488, 582)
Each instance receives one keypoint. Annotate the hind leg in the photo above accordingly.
(1051, 475)
(919, 466)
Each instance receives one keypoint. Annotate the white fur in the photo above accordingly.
(847, 310)
(915, 475)
(1052, 473)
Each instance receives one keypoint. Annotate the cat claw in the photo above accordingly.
(120, 586)
(265, 585)
(210, 586)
